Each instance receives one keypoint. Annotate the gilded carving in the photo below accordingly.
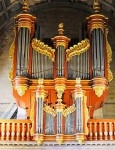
(43, 49)
(69, 110)
(99, 89)
(39, 138)
(60, 89)
(24, 24)
(49, 110)
(11, 53)
(32, 116)
(77, 49)
(97, 25)
(109, 58)
(86, 113)
(21, 89)
(59, 138)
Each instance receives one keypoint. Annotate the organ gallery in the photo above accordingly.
(59, 86)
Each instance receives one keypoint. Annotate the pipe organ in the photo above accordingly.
(60, 87)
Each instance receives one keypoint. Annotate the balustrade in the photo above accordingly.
(19, 130)
(15, 130)
(101, 129)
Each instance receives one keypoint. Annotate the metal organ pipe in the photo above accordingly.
(78, 66)
(98, 52)
(23, 51)
(60, 60)
(42, 66)
(59, 122)
(39, 115)
(79, 117)
(69, 124)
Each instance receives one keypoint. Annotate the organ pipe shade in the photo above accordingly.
(23, 51)
(78, 66)
(97, 46)
(59, 122)
(69, 124)
(60, 60)
(39, 115)
(42, 66)
(79, 115)
(49, 124)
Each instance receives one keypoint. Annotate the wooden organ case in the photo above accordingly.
(60, 87)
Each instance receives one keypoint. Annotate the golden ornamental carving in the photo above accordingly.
(40, 47)
(86, 113)
(11, 54)
(69, 110)
(80, 137)
(60, 89)
(32, 116)
(21, 89)
(40, 92)
(49, 110)
(109, 58)
(59, 138)
(77, 49)
(99, 89)
(24, 24)
(97, 25)
(39, 138)
(96, 6)
(61, 30)
(25, 6)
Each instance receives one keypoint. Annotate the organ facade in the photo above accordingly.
(59, 87)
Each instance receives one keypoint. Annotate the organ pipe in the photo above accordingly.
(60, 60)
(49, 124)
(23, 51)
(42, 66)
(78, 66)
(69, 124)
(97, 25)
(40, 95)
(81, 112)
(98, 52)
(60, 43)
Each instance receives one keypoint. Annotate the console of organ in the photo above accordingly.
(60, 95)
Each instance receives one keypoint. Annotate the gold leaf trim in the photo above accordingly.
(43, 49)
(32, 116)
(109, 58)
(11, 54)
(77, 49)
(69, 110)
(49, 110)
(86, 113)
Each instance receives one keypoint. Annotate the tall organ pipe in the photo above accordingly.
(97, 52)
(39, 115)
(79, 116)
(59, 123)
(60, 60)
(23, 51)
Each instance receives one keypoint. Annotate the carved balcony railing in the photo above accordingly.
(19, 130)
(15, 130)
(101, 129)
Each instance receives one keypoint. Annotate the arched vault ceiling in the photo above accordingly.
(9, 8)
